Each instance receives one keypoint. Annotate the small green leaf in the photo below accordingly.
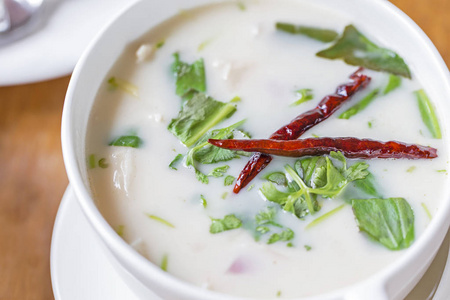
(203, 178)
(127, 141)
(229, 180)
(360, 106)
(219, 171)
(203, 201)
(323, 35)
(175, 161)
(428, 114)
(102, 163)
(197, 116)
(120, 230)
(394, 82)
(284, 236)
(357, 50)
(224, 195)
(160, 44)
(160, 220)
(305, 96)
(190, 79)
(367, 185)
(388, 221)
(241, 5)
(91, 161)
(411, 169)
(229, 222)
(117, 83)
(277, 177)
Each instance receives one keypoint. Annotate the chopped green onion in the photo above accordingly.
(305, 95)
(91, 161)
(203, 201)
(162, 221)
(394, 82)
(307, 247)
(120, 230)
(411, 169)
(428, 114)
(102, 163)
(361, 105)
(164, 262)
(124, 85)
(427, 211)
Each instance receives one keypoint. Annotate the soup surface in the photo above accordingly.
(167, 213)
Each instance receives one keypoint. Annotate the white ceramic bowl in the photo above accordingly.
(384, 20)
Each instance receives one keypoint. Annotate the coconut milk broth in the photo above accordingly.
(244, 56)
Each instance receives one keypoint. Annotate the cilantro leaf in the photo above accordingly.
(277, 177)
(357, 50)
(219, 171)
(323, 35)
(229, 222)
(175, 161)
(127, 141)
(388, 221)
(305, 96)
(190, 79)
(197, 116)
(284, 236)
(228, 180)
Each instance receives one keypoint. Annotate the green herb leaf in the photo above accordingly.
(428, 114)
(277, 177)
(203, 201)
(175, 161)
(360, 106)
(102, 163)
(307, 247)
(229, 222)
(91, 161)
(190, 79)
(394, 82)
(355, 49)
(197, 116)
(323, 35)
(367, 185)
(228, 180)
(388, 221)
(305, 96)
(324, 217)
(127, 141)
(120, 230)
(219, 171)
(284, 236)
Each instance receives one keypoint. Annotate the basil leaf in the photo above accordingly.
(393, 83)
(323, 35)
(360, 106)
(197, 116)
(357, 50)
(428, 114)
(127, 141)
(190, 79)
(388, 221)
(229, 222)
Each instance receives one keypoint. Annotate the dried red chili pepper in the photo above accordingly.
(303, 122)
(349, 146)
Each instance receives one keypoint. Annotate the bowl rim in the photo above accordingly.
(437, 227)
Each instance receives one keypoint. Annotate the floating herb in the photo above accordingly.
(203, 201)
(428, 114)
(190, 78)
(305, 95)
(307, 248)
(278, 178)
(117, 83)
(160, 220)
(127, 141)
(102, 163)
(361, 105)
(229, 222)
(91, 161)
(229, 180)
(219, 171)
(394, 82)
(357, 50)
(427, 211)
(323, 35)
(175, 161)
(164, 262)
(324, 217)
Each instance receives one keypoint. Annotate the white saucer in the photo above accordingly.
(53, 50)
(80, 269)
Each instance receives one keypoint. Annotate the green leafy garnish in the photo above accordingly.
(219, 171)
(428, 114)
(388, 221)
(324, 216)
(278, 178)
(127, 141)
(241, 5)
(361, 105)
(357, 50)
(197, 116)
(304, 96)
(229, 222)
(394, 82)
(175, 161)
(120, 230)
(160, 44)
(284, 236)
(315, 176)
(369, 124)
(91, 161)
(164, 262)
(323, 35)
(228, 180)
(367, 185)
(102, 163)
(411, 169)
(224, 195)
(190, 79)
(203, 201)
(160, 220)
(307, 247)
(117, 83)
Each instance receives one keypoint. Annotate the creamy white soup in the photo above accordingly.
(204, 233)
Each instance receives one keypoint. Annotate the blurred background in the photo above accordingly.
(32, 174)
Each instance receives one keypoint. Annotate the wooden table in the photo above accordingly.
(32, 175)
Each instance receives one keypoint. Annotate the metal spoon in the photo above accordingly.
(18, 18)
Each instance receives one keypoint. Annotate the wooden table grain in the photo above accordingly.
(32, 175)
